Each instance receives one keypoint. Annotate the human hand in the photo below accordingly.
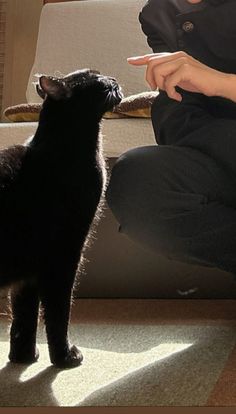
(168, 70)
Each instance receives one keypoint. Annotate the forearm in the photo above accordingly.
(227, 87)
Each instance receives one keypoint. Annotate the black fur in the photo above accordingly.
(50, 189)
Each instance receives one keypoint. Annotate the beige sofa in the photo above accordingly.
(101, 34)
(98, 34)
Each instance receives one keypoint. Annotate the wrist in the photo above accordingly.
(227, 86)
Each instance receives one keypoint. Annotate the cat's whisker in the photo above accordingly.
(59, 74)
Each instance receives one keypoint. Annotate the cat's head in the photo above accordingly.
(83, 90)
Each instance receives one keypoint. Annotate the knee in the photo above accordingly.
(135, 183)
(127, 179)
(120, 181)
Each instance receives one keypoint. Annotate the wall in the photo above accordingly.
(21, 37)
(56, 1)
(2, 44)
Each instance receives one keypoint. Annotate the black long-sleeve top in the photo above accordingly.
(206, 31)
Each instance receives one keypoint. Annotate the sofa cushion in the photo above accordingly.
(135, 106)
(23, 112)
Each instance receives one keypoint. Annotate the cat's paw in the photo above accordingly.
(73, 359)
(23, 356)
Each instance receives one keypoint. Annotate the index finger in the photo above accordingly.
(143, 60)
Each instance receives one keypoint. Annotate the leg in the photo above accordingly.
(25, 305)
(175, 201)
(55, 294)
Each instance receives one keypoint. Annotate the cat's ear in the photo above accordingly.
(54, 87)
(40, 92)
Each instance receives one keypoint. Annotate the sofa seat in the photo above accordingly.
(119, 135)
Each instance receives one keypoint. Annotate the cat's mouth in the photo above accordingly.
(114, 93)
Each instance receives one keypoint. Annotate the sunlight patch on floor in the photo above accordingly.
(124, 364)
(116, 366)
(99, 369)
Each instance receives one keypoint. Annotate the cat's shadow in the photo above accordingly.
(35, 391)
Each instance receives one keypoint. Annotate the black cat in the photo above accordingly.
(50, 189)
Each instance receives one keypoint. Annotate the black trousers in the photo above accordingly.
(177, 201)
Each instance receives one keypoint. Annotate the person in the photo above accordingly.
(178, 198)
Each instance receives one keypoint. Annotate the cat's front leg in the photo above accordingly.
(25, 306)
(55, 294)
